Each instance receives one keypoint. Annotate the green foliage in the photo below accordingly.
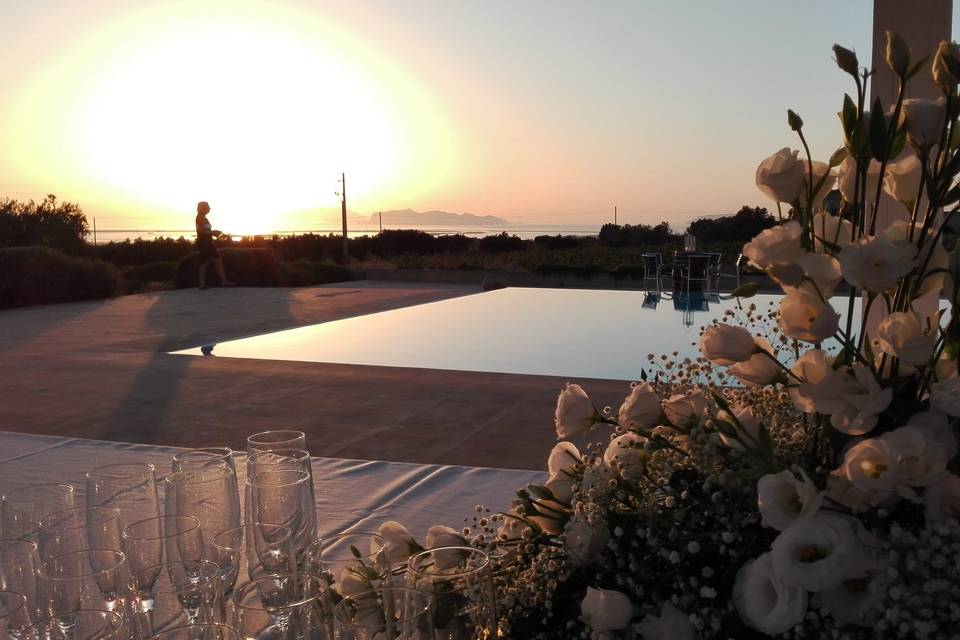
(635, 235)
(259, 267)
(740, 227)
(141, 252)
(48, 223)
(501, 243)
(41, 275)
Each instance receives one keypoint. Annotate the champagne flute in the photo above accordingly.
(285, 606)
(198, 632)
(18, 571)
(79, 528)
(459, 580)
(88, 624)
(267, 548)
(294, 459)
(87, 579)
(204, 457)
(389, 613)
(284, 496)
(276, 439)
(185, 592)
(130, 487)
(148, 541)
(22, 509)
(14, 614)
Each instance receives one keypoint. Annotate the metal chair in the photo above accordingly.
(736, 271)
(653, 268)
(697, 270)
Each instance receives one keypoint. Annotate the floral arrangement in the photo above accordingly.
(798, 478)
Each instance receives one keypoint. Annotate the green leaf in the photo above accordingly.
(899, 142)
(838, 157)
(766, 442)
(840, 360)
(860, 141)
(878, 131)
(720, 400)
(848, 116)
(747, 290)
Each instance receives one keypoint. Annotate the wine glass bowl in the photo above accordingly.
(277, 439)
(147, 542)
(22, 509)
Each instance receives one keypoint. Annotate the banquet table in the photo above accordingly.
(351, 495)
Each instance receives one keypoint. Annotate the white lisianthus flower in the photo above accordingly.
(924, 120)
(760, 369)
(812, 367)
(851, 602)
(831, 231)
(399, 544)
(873, 465)
(942, 499)
(575, 412)
(782, 498)
(937, 425)
(564, 458)
(780, 176)
(606, 610)
(841, 491)
(561, 486)
(641, 409)
(848, 179)
(724, 344)
(822, 270)
(903, 335)
(583, 541)
(815, 553)
(804, 316)
(931, 252)
(626, 454)
(764, 600)
(852, 397)
(876, 263)
(686, 410)
(945, 396)
(902, 180)
(441, 536)
(672, 624)
(776, 245)
(921, 459)
(821, 171)
(749, 427)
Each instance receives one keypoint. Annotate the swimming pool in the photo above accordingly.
(578, 333)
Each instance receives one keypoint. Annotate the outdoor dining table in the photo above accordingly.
(351, 495)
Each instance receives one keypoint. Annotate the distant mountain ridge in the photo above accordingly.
(411, 217)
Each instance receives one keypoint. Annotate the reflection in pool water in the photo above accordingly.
(574, 333)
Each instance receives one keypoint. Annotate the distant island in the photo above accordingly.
(410, 217)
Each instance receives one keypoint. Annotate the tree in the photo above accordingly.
(740, 227)
(48, 223)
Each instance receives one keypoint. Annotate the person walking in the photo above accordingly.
(208, 252)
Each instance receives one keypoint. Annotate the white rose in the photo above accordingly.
(575, 412)
(872, 465)
(780, 176)
(812, 367)
(626, 454)
(876, 263)
(672, 624)
(782, 498)
(776, 245)
(399, 544)
(765, 601)
(686, 410)
(441, 536)
(724, 344)
(585, 542)
(760, 369)
(903, 335)
(821, 171)
(852, 397)
(848, 179)
(942, 499)
(924, 120)
(815, 553)
(804, 316)
(902, 180)
(748, 427)
(605, 610)
(829, 231)
(640, 409)
(921, 458)
(945, 396)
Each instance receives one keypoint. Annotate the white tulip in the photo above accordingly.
(640, 409)
(815, 553)
(804, 316)
(583, 541)
(780, 176)
(829, 230)
(812, 367)
(399, 544)
(821, 171)
(724, 344)
(902, 179)
(605, 610)
(686, 410)
(764, 600)
(776, 245)
(852, 397)
(626, 454)
(945, 396)
(848, 180)
(671, 624)
(873, 465)
(575, 412)
(760, 369)
(748, 427)
(903, 335)
(876, 263)
(782, 498)
(942, 499)
(924, 120)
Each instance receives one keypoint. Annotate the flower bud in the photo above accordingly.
(946, 66)
(846, 60)
(898, 54)
(795, 122)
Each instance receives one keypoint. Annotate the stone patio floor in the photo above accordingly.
(101, 370)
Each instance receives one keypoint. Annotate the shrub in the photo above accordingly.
(560, 242)
(635, 235)
(152, 272)
(501, 243)
(141, 252)
(324, 272)
(259, 268)
(740, 227)
(454, 243)
(48, 223)
(41, 275)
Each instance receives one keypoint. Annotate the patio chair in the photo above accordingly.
(697, 269)
(735, 274)
(654, 268)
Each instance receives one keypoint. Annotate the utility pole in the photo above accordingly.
(381, 222)
(94, 230)
(614, 214)
(343, 213)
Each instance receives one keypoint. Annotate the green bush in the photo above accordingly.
(40, 275)
(324, 272)
(258, 268)
(152, 272)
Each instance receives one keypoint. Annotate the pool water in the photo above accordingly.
(576, 333)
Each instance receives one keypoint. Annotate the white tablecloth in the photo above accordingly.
(351, 494)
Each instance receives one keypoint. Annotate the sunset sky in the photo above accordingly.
(541, 112)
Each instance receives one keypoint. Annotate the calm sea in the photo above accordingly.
(527, 232)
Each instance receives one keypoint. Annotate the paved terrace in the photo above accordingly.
(100, 370)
